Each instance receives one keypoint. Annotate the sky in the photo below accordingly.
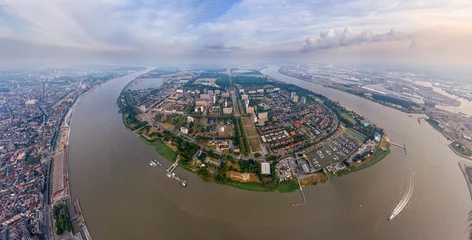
(408, 32)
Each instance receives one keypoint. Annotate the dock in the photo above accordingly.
(170, 171)
(303, 196)
(400, 146)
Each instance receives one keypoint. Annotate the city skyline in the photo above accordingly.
(146, 32)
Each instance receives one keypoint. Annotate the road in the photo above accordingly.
(47, 218)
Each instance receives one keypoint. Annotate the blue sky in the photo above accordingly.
(390, 31)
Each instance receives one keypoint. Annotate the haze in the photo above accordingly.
(423, 33)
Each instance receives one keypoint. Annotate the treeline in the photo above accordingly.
(130, 112)
(61, 219)
(238, 136)
(358, 125)
(244, 139)
(163, 71)
(250, 80)
(369, 131)
(393, 100)
(338, 110)
(185, 149)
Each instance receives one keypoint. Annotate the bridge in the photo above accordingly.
(399, 145)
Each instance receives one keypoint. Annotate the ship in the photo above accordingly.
(391, 217)
(154, 163)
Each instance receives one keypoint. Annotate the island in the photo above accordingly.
(241, 128)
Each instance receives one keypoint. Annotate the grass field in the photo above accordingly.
(250, 186)
(288, 186)
(161, 148)
(359, 136)
(255, 145)
(251, 131)
(247, 121)
(348, 117)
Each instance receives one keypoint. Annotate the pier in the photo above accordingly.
(303, 196)
(400, 146)
(170, 171)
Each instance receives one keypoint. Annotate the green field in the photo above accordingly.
(356, 135)
(250, 186)
(162, 149)
(288, 186)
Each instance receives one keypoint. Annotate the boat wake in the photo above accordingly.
(404, 201)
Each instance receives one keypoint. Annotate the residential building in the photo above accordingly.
(227, 110)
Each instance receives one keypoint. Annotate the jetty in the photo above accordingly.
(170, 171)
(400, 146)
(303, 196)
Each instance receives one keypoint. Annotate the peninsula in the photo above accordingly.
(241, 128)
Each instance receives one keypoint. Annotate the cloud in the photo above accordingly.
(241, 30)
(334, 39)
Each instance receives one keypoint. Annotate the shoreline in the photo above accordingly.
(399, 109)
(458, 153)
(341, 90)
(65, 130)
(463, 166)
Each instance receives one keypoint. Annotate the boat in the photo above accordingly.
(156, 162)
(152, 164)
(183, 183)
(391, 217)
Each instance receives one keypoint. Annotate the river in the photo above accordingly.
(123, 198)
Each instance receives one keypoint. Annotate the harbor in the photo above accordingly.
(170, 171)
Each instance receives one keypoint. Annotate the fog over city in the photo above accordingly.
(424, 33)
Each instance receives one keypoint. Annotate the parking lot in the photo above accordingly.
(334, 152)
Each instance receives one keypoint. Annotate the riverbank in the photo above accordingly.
(359, 94)
(466, 167)
(61, 160)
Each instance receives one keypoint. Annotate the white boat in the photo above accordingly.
(154, 163)
(391, 217)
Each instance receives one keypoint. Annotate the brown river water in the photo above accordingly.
(123, 198)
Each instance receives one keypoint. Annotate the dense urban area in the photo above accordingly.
(35, 113)
(239, 127)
